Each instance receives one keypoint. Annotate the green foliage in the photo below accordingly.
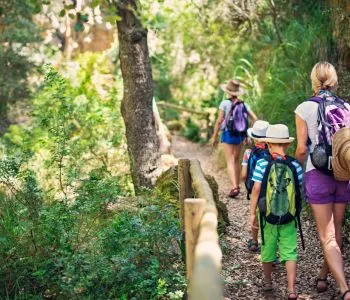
(191, 131)
(285, 72)
(272, 57)
(18, 34)
(74, 130)
(64, 231)
(81, 249)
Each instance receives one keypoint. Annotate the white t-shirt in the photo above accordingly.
(308, 112)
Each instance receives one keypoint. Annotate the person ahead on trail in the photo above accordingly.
(276, 193)
(317, 120)
(233, 122)
(250, 158)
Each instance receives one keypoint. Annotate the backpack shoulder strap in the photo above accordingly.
(298, 198)
(289, 161)
(315, 99)
(270, 162)
(262, 216)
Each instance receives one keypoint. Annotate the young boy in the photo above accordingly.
(276, 192)
(250, 158)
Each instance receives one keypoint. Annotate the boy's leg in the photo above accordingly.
(268, 253)
(291, 267)
(288, 251)
(267, 267)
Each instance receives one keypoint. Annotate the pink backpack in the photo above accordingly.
(333, 114)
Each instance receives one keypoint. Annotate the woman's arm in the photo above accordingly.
(218, 122)
(252, 115)
(301, 151)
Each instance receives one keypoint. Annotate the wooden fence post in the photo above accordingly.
(194, 209)
(185, 185)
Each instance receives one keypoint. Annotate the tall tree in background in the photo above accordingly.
(17, 34)
(143, 144)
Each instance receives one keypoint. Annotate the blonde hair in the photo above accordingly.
(323, 76)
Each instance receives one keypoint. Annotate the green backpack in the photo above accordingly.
(280, 199)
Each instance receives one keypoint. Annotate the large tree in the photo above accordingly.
(142, 140)
(143, 145)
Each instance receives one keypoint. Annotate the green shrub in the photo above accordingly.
(62, 232)
(191, 131)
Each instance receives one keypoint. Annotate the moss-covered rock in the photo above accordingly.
(167, 184)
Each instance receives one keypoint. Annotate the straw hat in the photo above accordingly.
(258, 130)
(341, 154)
(278, 134)
(233, 88)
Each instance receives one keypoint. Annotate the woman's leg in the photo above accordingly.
(228, 150)
(325, 221)
(338, 217)
(236, 151)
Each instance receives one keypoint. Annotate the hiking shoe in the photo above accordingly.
(253, 246)
(234, 192)
(321, 285)
(267, 286)
(292, 295)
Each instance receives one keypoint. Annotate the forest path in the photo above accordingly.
(242, 271)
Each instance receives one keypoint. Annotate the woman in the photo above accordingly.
(327, 196)
(232, 142)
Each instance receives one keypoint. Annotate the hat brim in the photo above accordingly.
(339, 172)
(341, 137)
(277, 140)
(254, 137)
(240, 91)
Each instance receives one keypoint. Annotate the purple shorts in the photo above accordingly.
(324, 189)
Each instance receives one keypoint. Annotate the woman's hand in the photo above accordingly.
(253, 222)
(214, 141)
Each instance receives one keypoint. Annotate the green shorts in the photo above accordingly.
(282, 236)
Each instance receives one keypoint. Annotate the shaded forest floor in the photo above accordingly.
(242, 272)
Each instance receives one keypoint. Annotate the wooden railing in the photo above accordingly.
(199, 218)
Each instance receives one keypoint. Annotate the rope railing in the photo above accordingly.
(199, 221)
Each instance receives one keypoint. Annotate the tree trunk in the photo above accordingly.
(136, 109)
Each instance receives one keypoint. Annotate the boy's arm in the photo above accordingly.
(244, 172)
(254, 204)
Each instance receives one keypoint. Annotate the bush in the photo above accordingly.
(81, 250)
(61, 178)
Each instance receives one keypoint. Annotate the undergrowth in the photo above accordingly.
(64, 230)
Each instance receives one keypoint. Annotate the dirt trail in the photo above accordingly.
(242, 272)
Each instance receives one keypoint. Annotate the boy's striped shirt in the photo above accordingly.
(260, 169)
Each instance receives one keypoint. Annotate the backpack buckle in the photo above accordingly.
(330, 158)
